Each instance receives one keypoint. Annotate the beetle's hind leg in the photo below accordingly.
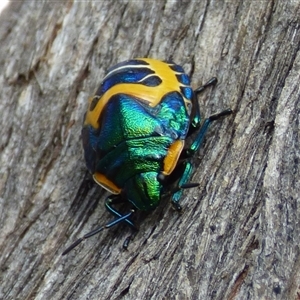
(119, 218)
(116, 199)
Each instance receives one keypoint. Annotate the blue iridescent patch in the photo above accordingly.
(126, 75)
(183, 78)
(187, 92)
(177, 68)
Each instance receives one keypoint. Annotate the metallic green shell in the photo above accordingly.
(128, 131)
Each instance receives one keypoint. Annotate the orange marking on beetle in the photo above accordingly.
(172, 156)
(103, 181)
(147, 94)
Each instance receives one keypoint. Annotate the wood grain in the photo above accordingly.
(238, 236)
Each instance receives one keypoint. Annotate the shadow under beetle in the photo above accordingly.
(134, 136)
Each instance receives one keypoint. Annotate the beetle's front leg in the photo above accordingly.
(196, 121)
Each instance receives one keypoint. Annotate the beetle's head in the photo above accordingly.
(143, 190)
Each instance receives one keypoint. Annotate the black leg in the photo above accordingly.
(116, 199)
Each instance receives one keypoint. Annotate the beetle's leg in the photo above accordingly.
(212, 81)
(196, 113)
(188, 153)
(186, 174)
(111, 200)
(129, 239)
(196, 121)
(199, 138)
(119, 218)
(115, 199)
(97, 230)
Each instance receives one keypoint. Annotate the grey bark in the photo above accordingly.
(238, 236)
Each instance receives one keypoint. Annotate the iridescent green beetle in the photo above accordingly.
(135, 131)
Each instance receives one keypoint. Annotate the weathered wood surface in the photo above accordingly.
(238, 237)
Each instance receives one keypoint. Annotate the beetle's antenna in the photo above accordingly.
(97, 230)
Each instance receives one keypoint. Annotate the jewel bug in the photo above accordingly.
(134, 136)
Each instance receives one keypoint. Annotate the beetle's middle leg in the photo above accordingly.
(181, 175)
